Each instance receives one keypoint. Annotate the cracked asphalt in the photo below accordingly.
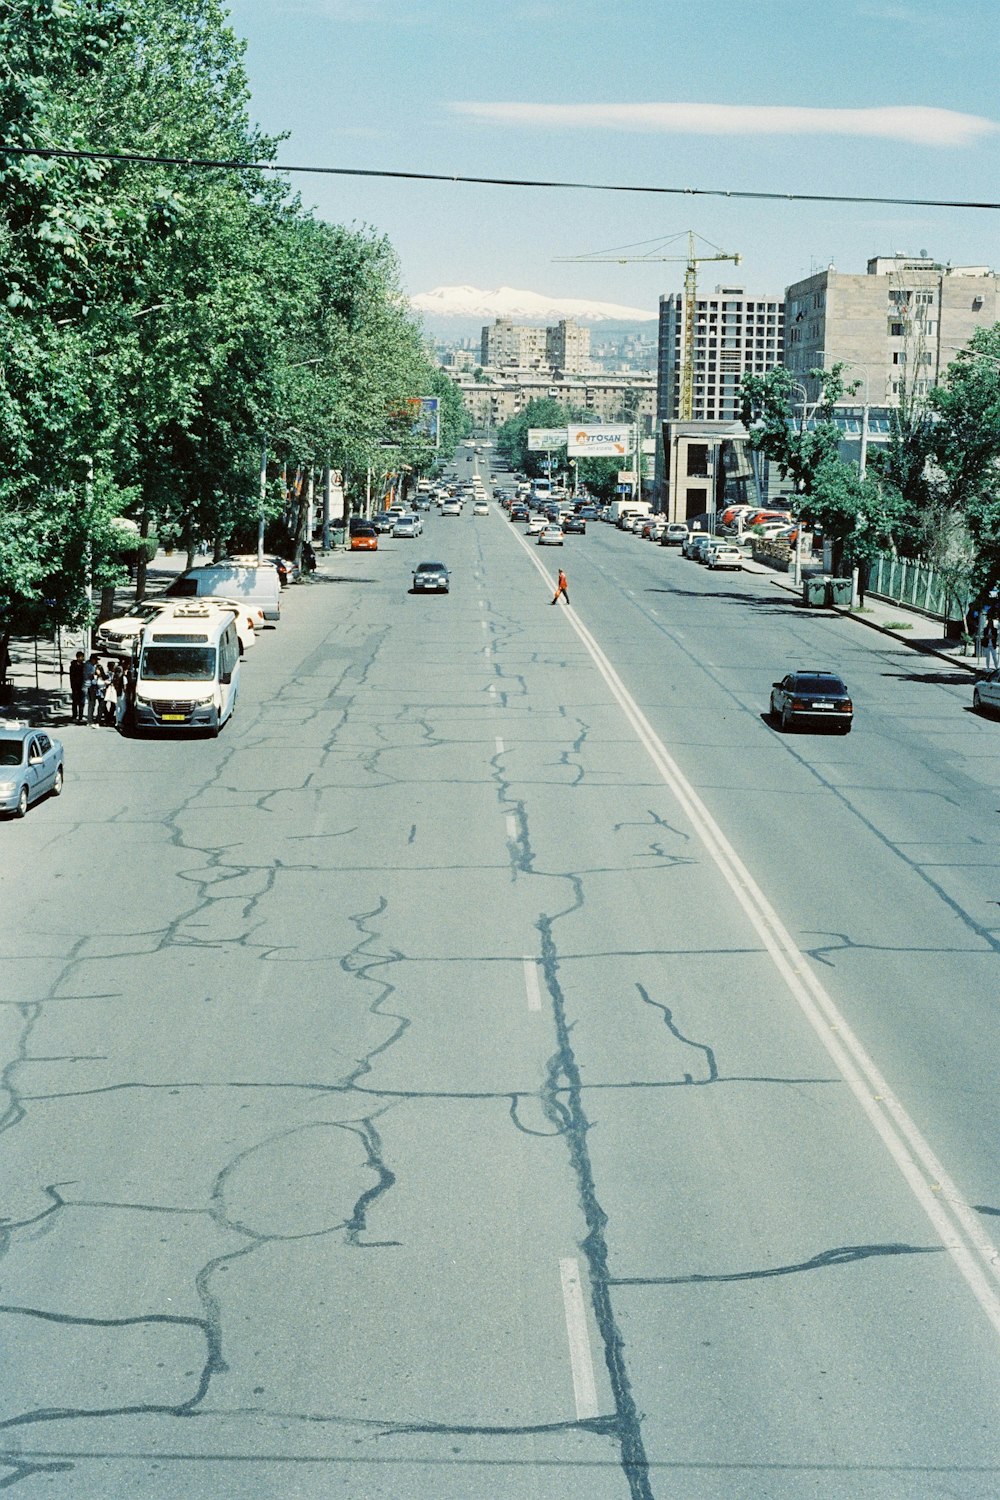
(327, 1043)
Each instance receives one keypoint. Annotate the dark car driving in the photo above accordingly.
(812, 698)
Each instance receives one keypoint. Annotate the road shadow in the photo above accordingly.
(934, 679)
(763, 603)
(41, 706)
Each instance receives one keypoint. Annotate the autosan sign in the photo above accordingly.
(599, 442)
(541, 439)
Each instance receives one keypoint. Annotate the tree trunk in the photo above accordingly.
(141, 563)
(302, 520)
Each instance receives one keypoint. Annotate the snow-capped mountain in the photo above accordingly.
(508, 302)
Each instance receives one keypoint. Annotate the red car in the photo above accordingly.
(364, 537)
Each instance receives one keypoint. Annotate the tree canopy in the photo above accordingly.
(159, 322)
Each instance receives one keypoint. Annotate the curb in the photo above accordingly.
(893, 635)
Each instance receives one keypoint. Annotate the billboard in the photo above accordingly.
(599, 442)
(428, 423)
(540, 439)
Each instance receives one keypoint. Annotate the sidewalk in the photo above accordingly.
(908, 626)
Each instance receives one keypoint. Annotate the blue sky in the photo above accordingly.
(879, 97)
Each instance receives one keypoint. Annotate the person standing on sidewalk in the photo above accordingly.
(991, 643)
(561, 588)
(94, 679)
(76, 688)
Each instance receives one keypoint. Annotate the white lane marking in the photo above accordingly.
(957, 1225)
(511, 823)
(492, 688)
(531, 983)
(580, 1358)
(499, 744)
(483, 625)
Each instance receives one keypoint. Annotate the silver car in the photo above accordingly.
(31, 767)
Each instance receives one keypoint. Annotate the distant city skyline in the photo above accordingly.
(539, 90)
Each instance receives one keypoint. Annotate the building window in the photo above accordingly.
(897, 330)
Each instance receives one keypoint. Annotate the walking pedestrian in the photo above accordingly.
(991, 643)
(77, 691)
(94, 680)
(561, 588)
(308, 559)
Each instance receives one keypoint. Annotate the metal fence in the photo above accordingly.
(917, 584)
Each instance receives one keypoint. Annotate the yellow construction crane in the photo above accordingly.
(691, 262)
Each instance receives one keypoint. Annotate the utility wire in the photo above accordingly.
(519, 182)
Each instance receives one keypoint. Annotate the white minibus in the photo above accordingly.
(187, 669)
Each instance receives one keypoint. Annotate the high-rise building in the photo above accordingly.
(734, 333)
(509, 345)
(896, 328)
(567, 347)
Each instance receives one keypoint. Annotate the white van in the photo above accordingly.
(188, 669)
(256, 583)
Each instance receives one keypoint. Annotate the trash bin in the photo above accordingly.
(841, 590)
(816, 592)
(337, 535)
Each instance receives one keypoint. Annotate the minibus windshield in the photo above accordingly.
(178, 663)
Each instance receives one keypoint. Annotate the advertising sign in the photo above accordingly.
(626, 476)
(542, 438)
(428, 423)
(599, 442)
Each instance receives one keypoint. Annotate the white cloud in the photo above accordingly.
(918, 124)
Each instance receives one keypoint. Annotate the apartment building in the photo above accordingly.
(735, 332)
(605, 398)
(896, 328)
(509, 345)
(567, 347)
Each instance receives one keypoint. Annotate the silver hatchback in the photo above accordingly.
(31, 767)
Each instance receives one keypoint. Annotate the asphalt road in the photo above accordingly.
(501, 1065)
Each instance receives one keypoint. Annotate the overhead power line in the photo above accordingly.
(515, 182)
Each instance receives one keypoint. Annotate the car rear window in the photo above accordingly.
(819, 686)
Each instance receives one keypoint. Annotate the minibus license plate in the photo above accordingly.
(173, 718)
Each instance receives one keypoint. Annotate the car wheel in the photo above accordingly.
(786, 721)
(57, 785)
(22, 803)
(977, 702)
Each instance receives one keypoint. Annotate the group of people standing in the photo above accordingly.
(103, 693)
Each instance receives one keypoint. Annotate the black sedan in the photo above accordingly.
(574, 523)
(431, 578)
(812, 698)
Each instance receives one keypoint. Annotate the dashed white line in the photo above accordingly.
(511, 823)
(499, 744)
(580, 1358)
(531, 985)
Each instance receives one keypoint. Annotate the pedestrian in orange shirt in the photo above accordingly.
(561, 588)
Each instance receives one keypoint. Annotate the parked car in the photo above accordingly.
(986, 694)
(812, 698)
(725, 555)
(550, 536)
(698, 546)
(287, 570)
(431, 577)
(120, 635)
(364, 537)
(407, 526)
(674, 534)
(31, 767)
(575, 524)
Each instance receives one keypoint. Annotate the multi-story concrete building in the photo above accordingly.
(567, 347)
(896, 328)
(705, 460)
(604, 398)
(509, 345)
(735, 332)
